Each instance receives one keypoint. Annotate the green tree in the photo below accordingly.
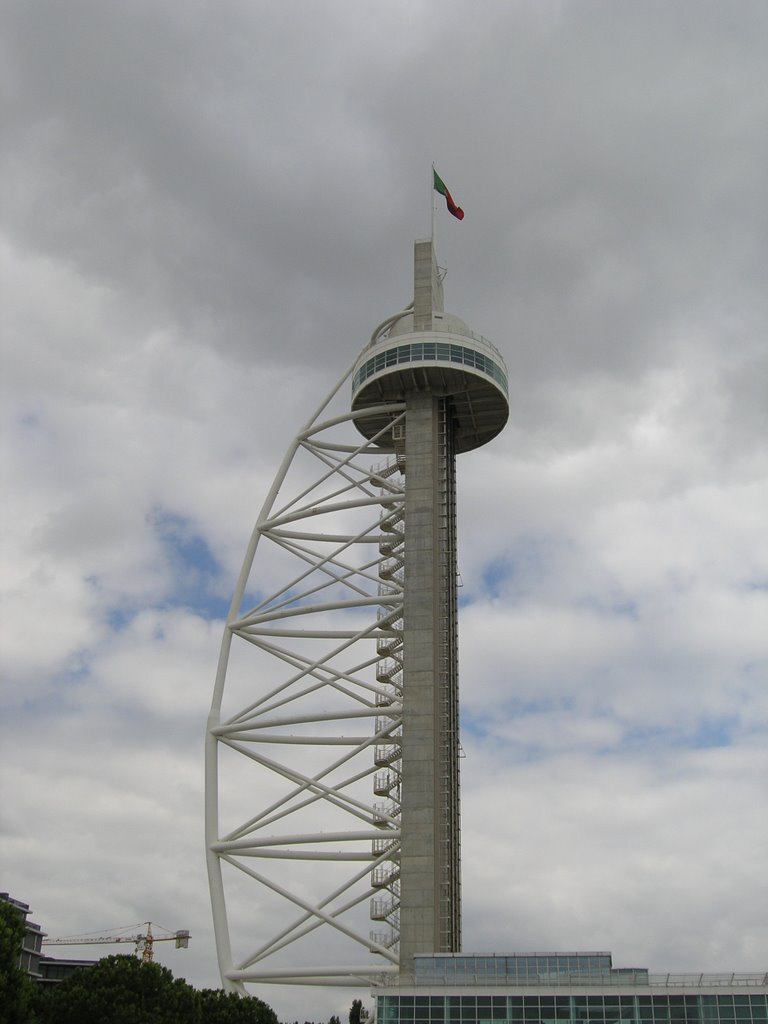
(334, 1020)
(15, 986)
(219, 1007)
(356, 1012)
(122, 990)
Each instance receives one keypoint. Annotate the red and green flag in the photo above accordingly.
(457, 211)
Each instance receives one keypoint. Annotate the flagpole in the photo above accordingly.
(432, 202)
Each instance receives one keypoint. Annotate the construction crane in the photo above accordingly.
(143, 941)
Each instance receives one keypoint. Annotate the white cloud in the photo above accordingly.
(205, 214)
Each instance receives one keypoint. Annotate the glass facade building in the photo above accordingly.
(555, 988)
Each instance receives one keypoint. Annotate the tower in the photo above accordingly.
(455, 392)
(355, 626)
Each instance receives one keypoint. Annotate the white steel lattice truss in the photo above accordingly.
(303, 746)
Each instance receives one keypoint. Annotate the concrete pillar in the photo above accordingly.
(430, 901)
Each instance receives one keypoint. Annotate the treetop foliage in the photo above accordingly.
(15, 987)
(123, 990)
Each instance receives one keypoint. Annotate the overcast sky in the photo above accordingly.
(206, 208)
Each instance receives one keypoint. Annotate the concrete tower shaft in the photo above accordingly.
(454, 388)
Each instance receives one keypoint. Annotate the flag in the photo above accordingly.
(439, 185)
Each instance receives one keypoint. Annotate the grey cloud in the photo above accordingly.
(206, 210)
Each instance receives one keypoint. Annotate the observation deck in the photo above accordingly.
(423, 349)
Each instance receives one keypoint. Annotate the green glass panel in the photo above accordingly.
(708, 1009)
